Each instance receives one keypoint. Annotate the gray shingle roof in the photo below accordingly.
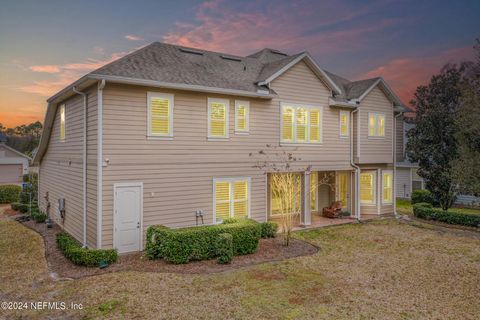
(351, 89)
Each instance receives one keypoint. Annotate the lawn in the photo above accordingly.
(382, 269)
(405, 207)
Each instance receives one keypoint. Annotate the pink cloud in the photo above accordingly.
(286, 26)
(45, 68)
(132, 37)
(406, 74)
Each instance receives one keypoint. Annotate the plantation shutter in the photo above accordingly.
(218, 124)
(315, 125)
(222, 200)
(287, 124)
(366, 187)
(301, 125)
(160, 116)
(371, 125)
(240, 199)
(344, 124)
(242, 114)
(381, 125)
(387, 187)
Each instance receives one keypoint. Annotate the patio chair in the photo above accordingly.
(334, 211)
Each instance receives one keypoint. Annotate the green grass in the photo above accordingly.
(405, 207)
(381, 269)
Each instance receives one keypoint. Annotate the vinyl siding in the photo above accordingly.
(178, 174)
(399, 143)
(378, 207)
(404, 182)
(375, 149)
(61, 168)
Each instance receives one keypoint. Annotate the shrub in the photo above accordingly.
(72, 250)
(424, 204)
(199, 243)
(269, 229)
(10, 193)
(422, 196)
(451, 217)
(39, 217)
(22, 207)
(224, 248)
(230, 220)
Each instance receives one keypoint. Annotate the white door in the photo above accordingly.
(128, 217)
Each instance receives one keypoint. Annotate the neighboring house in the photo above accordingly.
(406, 171)
(13, 164)
(166, 131)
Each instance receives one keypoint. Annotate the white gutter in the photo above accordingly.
(101, 85)
(395, 164)
(357, 168)
(84, 165)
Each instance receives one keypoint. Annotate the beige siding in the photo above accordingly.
(375, 149)
(404, 182)
(177, 174)
(61, 169)
(399, 142)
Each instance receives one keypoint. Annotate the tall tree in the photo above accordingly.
(466, 168)
(24, 138)
(432, 141)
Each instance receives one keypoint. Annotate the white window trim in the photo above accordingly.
(238, 103)
(391, 173)
(376, 136)
(308, 108)
(227, 119)
(231, 180)
(374, 190)
(161, 95)
(344, 136)
(64, 108)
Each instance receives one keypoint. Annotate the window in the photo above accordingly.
(313, 190)
(218, 118)
(387, 182)
(367, 187)
(231, 198)
(376, 125)
(301, 124)
(280, 188)
(342, 188)
(344, 123)
(62, 122)
(160, 114)
(242, 116)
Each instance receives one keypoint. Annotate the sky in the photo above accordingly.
(46, 45)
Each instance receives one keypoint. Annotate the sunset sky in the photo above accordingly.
(46, 45)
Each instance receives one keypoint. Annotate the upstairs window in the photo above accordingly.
(218, 118)
(242, 116)
(387, 181)
(232, 196)
(344, 123)
(160, 114)
(62, 122)
(301, 124)
(376, 125)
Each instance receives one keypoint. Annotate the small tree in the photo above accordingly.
(283, 184)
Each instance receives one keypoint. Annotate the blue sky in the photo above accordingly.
(45, 45)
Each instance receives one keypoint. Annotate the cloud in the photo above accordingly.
(132, 37)
(45, 68)
(322, 27)
(405, 74)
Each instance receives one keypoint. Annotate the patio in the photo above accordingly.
(319, 222)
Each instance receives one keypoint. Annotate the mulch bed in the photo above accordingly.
(268, 250)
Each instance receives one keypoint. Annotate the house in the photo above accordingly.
(165, 133)
(13, 164)
(407, 177)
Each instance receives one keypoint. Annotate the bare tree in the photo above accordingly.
(284, 183)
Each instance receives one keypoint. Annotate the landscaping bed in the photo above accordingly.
(268, 250)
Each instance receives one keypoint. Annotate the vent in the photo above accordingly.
(230, 58)
(191, 51)
(278, 52)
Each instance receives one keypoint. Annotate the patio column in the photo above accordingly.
(306, 215)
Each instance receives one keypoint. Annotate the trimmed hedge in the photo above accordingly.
(425, 196)
(72, 250)
(10, 193)
(199, 243)
(422, 211)
(22, 207)
(269, 229)
(224, 248)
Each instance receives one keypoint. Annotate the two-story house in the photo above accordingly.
(166, 132)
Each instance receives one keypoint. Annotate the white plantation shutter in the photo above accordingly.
(301, 124)
(160, 114)
(242, 116)
(344, 123)
(287, 124)
(218, 118)
(381, 125)
(232, 196)
(222, 200)
(240, 199)
(315, 125)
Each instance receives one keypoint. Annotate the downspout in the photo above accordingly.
(395, 164)
(101, 85)
(84, 165)
(357, 168)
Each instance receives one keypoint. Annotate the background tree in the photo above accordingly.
(466, 168)
(24, 138)
(432, 141)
